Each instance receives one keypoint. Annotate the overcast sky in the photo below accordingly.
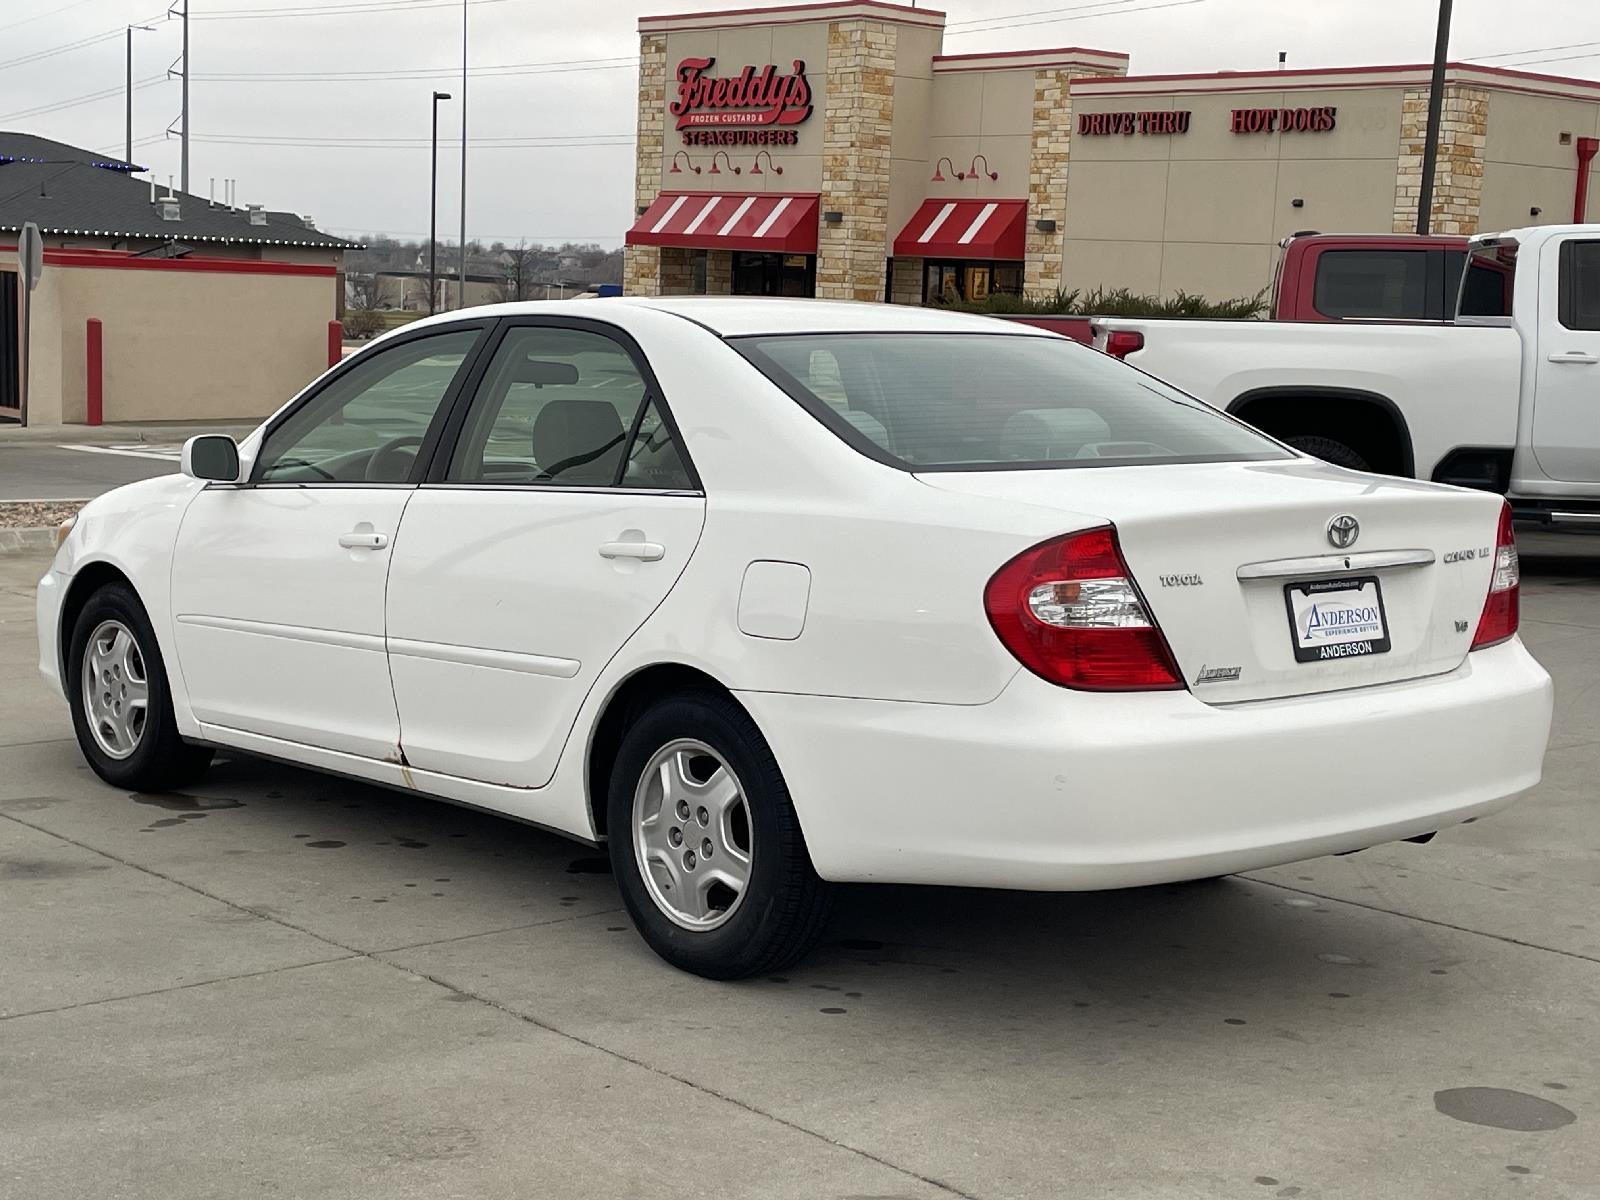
(364, 178)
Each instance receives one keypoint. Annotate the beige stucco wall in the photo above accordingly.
(1203, 211)
(178, 345)
(1526, 165)
(981, 112)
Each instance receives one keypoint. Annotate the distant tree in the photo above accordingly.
(361, 288)
(518, 263)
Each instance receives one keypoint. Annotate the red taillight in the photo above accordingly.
(1122, 342)
(1070, 612)
(1502, 608)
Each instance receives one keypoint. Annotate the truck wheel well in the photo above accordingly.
(1368, 423)
(89, 580)
(637, 693)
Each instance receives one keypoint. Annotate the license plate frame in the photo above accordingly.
(1329, 649)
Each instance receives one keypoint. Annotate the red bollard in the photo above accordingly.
(335, 343)
(95, 407)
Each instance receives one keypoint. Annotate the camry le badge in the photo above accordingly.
(1343, 531)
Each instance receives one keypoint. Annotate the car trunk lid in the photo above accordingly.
(1239, 565)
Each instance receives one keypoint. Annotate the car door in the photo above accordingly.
(560, 512)
(278, 583)
(1566, 396)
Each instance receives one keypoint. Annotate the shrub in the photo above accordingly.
(363, 323)
(1117, 302)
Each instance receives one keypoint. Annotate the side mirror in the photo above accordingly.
(212, 458)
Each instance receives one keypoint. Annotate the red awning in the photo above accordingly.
(780, 222)
(965, 229)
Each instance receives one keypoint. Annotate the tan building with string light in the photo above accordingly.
(832, 149)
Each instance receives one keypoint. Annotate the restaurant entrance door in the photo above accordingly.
(763, 274)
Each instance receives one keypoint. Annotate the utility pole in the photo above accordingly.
(1430, 145)
(433, 210)
(183, 166)
(128, 157)
(462, 294)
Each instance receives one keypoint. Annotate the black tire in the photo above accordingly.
(785, 904)
(161, 760)
(1329, 450)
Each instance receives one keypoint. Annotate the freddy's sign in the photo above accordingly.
(756, 107)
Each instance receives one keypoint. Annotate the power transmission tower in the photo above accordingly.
(183, 74)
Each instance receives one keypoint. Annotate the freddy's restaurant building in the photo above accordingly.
(832, 150)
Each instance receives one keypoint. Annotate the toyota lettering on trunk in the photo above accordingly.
(758, 106)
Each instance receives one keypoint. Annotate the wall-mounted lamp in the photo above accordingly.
(722, 154)
(771, 166)
(689, 162)
(832, 217)
(1535, 211)
(972, 171)
(938, 172)
(641, 209)
(1045, 225)
(1565, 137)
(1297, 203)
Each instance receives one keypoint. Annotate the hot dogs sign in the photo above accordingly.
(1241, 120)
(757, 107)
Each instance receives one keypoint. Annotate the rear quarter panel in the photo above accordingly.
(1454, 385)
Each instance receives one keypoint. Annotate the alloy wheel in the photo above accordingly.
(116, 689)
(692, 835)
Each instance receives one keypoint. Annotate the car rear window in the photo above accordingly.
(929, 402)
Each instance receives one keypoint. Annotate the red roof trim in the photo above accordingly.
(1303, 72)
(121, 260)
(938, 58)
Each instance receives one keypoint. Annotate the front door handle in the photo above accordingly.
(363, 540)
(1575, 356)
(646, 551)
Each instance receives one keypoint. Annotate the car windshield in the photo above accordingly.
(937, 401)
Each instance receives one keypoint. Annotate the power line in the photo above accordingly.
(338, 10)
(49, 12)
(86, 98)
(550, 67)
(1119, 12)
(1034, 12)
(1534, 50)
(80, 44)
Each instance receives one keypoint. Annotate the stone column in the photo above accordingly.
(1458, 173)
(641, 265)
(851, 255)
(719, 272)
(1047, 179)
(906, 283)
(675, 271)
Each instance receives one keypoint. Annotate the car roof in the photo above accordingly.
(741, 316)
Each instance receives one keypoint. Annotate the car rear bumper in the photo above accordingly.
(1049, 789)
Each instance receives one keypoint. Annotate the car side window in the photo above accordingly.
(1578, 307)
(1386, 284)
(369, 424)
(566, 407)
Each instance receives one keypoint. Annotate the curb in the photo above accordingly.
(24, 541)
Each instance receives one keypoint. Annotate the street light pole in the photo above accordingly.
(433, 209)
(1430, 145)
(128, 158)
(462, 293)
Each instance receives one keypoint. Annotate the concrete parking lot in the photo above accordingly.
(290, 985)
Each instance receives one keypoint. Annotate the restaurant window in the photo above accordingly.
(953, 281)
(762, 274)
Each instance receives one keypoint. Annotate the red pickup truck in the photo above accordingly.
(1346, 277)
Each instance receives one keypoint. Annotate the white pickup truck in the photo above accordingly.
(1506, 397)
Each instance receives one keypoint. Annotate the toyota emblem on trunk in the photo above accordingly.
(1343, 531)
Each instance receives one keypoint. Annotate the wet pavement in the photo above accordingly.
(288, 984)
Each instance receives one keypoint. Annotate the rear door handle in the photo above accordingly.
(363, 540)
(1575, 356)
(647, 551)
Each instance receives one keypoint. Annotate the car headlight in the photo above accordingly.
(63, 529)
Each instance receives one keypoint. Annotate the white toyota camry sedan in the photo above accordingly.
(768, 595)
